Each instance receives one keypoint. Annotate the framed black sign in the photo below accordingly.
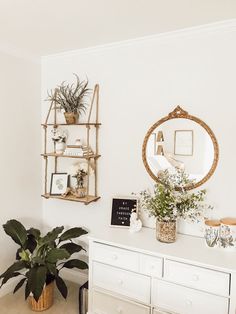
(121, 211)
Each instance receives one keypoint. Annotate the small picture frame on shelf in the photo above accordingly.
(122, 208)
(59, 183)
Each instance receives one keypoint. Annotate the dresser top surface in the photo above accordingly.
(185, 249)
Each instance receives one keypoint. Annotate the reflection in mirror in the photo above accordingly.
(184, 142)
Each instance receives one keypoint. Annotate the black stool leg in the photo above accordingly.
(81, 289)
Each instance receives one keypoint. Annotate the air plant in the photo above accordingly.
(71, 97)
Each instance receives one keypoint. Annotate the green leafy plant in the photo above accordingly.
(167, 203)
(39, 259)
(71, 98)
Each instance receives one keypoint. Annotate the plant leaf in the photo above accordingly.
(16, 231)
(54, 255)
(52, 269)
(72, 233)
(34, 232)
(9, 276)
(19, 285)
(72, 248)
(19, 265)
(75, 263)
(27, 290)
(36, 280)
(61, 286)
(52, 235)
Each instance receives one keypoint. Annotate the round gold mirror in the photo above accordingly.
(181, 141)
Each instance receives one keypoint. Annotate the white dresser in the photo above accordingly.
(136, 274)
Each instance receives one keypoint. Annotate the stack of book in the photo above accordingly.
(80, 151)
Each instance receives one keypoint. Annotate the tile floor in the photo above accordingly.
(15, 304)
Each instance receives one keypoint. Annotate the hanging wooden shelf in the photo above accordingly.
(70, 156)
(86, 200)
(79, 123)
(92, 196)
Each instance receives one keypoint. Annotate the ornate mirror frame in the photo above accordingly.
(178, 113)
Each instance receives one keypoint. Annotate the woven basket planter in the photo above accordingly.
(45, 301)
(71, 118)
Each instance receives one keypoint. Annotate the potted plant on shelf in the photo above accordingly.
(39, 260)
(167, 203)
(79, 172)
(71, 98)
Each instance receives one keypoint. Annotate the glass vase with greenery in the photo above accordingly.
(171, 200)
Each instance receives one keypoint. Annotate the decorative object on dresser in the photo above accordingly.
(39, 260)
(212, 232)
(71, 98)
(121, 211)
(138, 275)
(199, 164)
(135, 223)
(87, 152)
(228, 233)
(168, 204)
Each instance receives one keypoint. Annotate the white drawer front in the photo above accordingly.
(107, 304)
(183, 300)
(151, 266)
(197, 277)
(126, 283)
(163, 312)
(115, 256)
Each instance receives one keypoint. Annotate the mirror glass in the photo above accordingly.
(182, 143)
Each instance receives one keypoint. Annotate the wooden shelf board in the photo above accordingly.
(86, 200)
(69, 156)
(84, 123)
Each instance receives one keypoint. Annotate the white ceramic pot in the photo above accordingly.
(212, 233)
(60, 147)
(228, 233)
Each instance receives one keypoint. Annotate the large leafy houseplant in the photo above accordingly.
(39, 259)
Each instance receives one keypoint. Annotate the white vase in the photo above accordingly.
(60, 147)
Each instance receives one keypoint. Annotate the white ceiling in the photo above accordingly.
(42, 27)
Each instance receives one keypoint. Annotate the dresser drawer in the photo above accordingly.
(197, 277)
(163, 312)
(123, 282)
(107, 304)
(184, 300)
(115, 256)
(151, 266)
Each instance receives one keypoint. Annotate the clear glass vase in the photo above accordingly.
(166, 231)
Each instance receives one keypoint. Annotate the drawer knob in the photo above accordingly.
(119, 310)
(114, 257)
(195, 277)
(188, 303)
(120, 282)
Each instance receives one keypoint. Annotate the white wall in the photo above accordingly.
(141, 82)
(20, 164)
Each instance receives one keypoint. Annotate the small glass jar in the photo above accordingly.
(166, 231)
(212, 233)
